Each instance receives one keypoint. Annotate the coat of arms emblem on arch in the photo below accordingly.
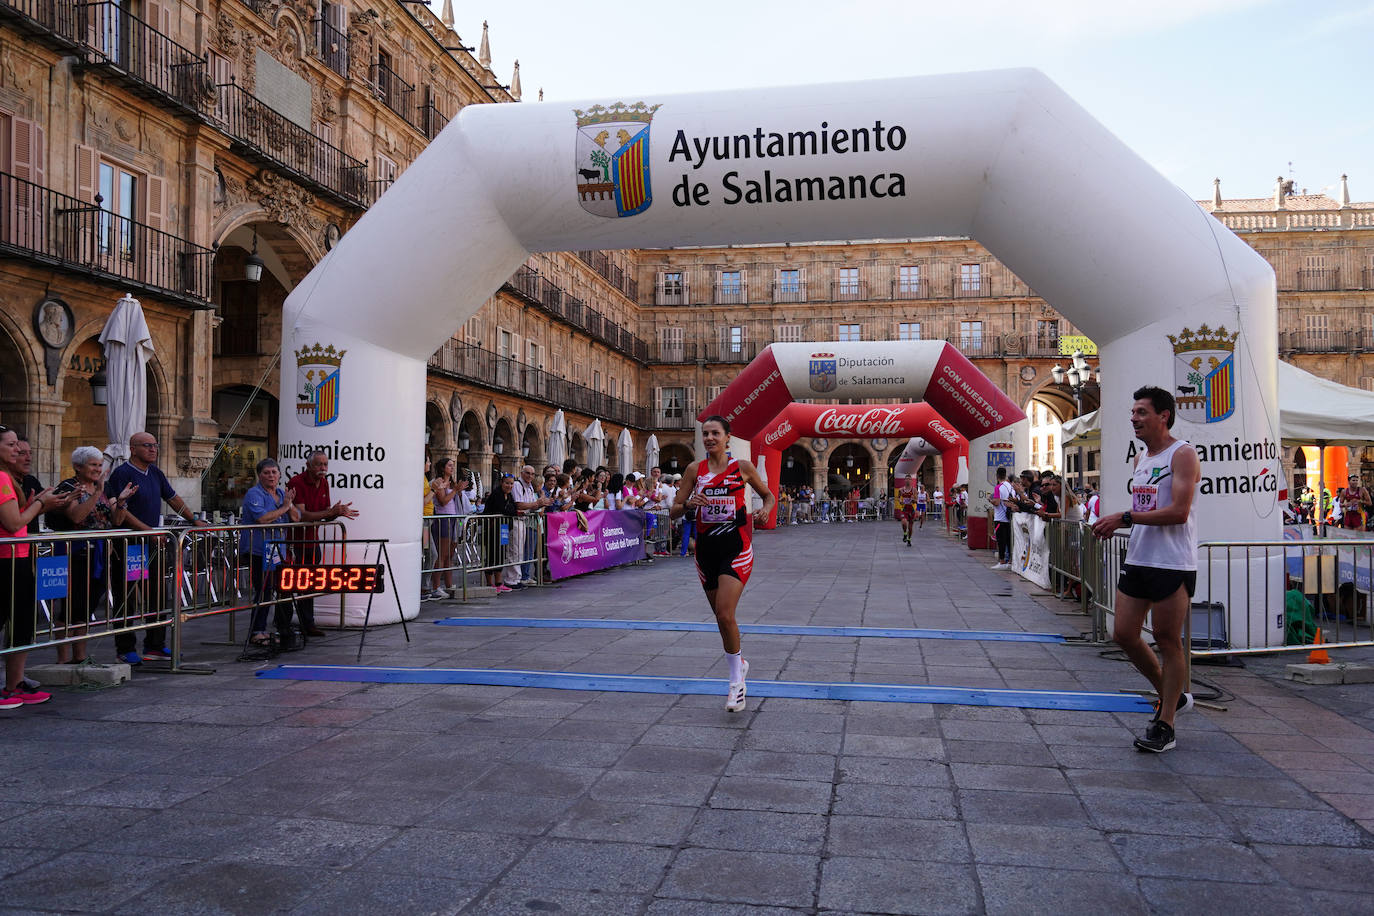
(612, 158)
(1205, 374)
(317, 384)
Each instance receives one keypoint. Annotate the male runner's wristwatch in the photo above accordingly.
(1126, 518)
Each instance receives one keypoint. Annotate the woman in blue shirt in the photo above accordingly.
(264, 504)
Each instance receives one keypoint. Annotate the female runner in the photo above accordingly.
(714, 491)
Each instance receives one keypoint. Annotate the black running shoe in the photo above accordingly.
(1159, 737)
(1185, 704)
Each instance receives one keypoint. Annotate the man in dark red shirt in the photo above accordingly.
(312, 499)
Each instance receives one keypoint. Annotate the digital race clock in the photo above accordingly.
(341, 578)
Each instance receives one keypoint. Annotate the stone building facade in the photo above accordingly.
(163, 149)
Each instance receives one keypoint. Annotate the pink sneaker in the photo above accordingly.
(504, 588)
(8, 702)
(25, 697)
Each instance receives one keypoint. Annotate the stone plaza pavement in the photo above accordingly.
(234, 794)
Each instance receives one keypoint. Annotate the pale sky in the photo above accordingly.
(1235, 89)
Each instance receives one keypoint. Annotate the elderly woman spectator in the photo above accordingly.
(89, 561)
(20, 608)
(500, 502)
(265, 503)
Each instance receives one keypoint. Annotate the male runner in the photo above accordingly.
(903, 504)
(1161, 562)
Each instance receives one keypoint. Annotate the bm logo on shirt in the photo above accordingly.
(716, 491)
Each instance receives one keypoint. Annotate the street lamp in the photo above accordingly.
(1078, 376)
(498, 445)
(463, 441)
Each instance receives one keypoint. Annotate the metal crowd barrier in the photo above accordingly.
(658, 531)
(78, 586)
(1327, 583)
(214, 570)
(97, 584)
(486, 544)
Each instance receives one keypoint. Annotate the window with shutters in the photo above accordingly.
(850, 332)
(847, 283)
(970, 280)
(909, 280)
(1367, 382)
(732, 338)
(333, 37)
(472, 331)
(503, 343)
(119, 190)
(1047, 335)
(1318, 331)
(596, 380)
(790, 287)
(670, 345)
(534, 355)
(971, 335)
(787, 333)
(23, 156)
(671, 289)
(730, 287)
(909, 330)
(672, 403)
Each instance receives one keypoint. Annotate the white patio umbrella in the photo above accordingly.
(558, 440)
(651, 454)
(128, 347)
(625, 451)
(596, 444)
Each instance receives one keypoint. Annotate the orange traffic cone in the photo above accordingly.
(1318, 656)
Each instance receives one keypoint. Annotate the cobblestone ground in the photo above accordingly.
(234, 794)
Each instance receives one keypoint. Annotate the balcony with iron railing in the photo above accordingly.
(76, 237)
(151, 64)
(266, 136)
(789, 290)
(529, 285)
(670, 294)
(910, 288)
(970, 287)
(490, 370)
(331, 47)
(53, 23)
(730, 292)
(848, 290)
(431, 120)
(1317, 279)
(1327, 340)
(395, 93)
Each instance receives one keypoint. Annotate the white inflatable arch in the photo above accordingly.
(1003, 157)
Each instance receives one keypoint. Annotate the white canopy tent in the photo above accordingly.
(625, 452)
(128, 348)
(1084, 431)
(1316, 411)
(651, 454)
(596, 444)
(558, 440)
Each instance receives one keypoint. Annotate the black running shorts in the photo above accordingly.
(1150, 583)
(723, 555)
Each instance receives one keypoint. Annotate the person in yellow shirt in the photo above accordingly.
(426, 542)
(904, 504)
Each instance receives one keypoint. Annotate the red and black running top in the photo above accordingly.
(727, 511)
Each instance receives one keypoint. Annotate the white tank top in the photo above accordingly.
(1152, 487)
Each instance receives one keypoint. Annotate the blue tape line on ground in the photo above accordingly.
(574, 623)
(634, 683)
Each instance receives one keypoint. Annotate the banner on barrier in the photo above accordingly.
(51, 579)
(611, 537)
(1030, 548)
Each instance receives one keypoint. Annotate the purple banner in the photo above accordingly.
(610, 537)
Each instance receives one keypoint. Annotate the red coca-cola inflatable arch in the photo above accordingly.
(855, 421)
(932, 371)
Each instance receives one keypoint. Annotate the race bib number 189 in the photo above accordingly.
(1144, 497)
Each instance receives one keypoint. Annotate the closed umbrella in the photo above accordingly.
(558, 440)
(596, 444)
(651, 454)
(128, 347)
(625, 452)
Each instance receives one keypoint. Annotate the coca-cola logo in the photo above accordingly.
(775, 435)
(877, 421)
(944, 432)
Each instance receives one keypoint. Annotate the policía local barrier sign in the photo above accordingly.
(598, 539)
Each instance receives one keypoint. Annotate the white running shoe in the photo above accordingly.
(1001, 566)
(734, 702)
